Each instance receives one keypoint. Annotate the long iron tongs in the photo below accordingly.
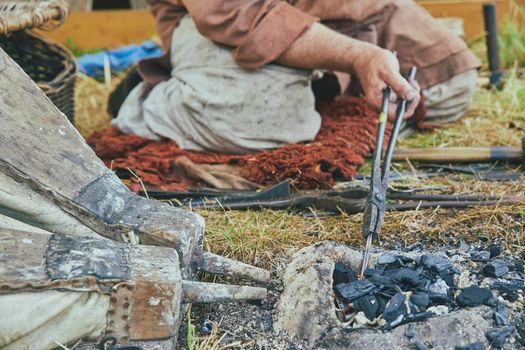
(376, 201)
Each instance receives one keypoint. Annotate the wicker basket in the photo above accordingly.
(51, 66)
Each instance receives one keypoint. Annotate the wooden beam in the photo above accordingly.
(471, 11)
(104, 29)
(110, 29)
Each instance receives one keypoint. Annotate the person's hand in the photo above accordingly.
(376, 68)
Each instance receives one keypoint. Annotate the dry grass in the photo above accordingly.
(91, 98)
(266, 237)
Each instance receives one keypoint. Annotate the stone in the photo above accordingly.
(438, 310)
(353, 290)
(473, 296)
(436, 263)
(496, 268)
(395, 310)
(498, 337)
(438, 291)
(480, 256)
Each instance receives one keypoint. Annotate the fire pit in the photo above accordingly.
(463, 298)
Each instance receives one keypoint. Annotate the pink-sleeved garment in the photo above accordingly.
(259, 31)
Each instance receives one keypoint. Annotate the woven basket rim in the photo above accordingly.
(41, 14)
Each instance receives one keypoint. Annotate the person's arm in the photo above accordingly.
(322, 48)
(265, 31)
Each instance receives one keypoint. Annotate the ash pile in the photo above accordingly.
(465, 298)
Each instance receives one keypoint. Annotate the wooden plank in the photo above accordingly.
(104, 29)
(114, 28)
(471, 11)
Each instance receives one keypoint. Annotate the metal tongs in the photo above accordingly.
(376, 201)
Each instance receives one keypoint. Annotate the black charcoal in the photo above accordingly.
(494, 250)
(518, 266)
(501, 315)
(411, 331)
(464, 247)
(406, 275)
(496, 268)
(370, 272)
(480, 256)
(416, 247)
(473, 346)
(343, 274)
(420, 299)
(418, 345)
(368, 304)
(497, 337)
(473, 296)
(380, 280)
(509, 286)
(435, 263)
(395, 310)
(387, 259)
(353, 290)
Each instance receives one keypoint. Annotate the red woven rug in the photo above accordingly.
(347, 135)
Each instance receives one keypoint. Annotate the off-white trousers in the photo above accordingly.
(210, 103)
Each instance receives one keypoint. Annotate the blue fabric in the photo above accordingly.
(120, 59)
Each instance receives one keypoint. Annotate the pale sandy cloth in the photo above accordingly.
(39, 320)
(210, 103)
(448, 101)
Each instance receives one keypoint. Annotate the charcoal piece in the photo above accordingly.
(380, 280)
(370, 272)
(343, 274)
(448, 278)
(501, 315)
(497, 337)
(436, 263)
(438, 291)
(381, 304)
(473, 346)
(416, 247)
(518, 266)
(420, 316)
(353, 290)
(510, 296)
(411, 331)
(395, 310)
(406, 275)
(495, 268)
(494, 250)
(473, 296)
(368, 304)
(420, 299)
(480, 256)
(418, 345)
(387, 259)
(514, 285)
(463, 246)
